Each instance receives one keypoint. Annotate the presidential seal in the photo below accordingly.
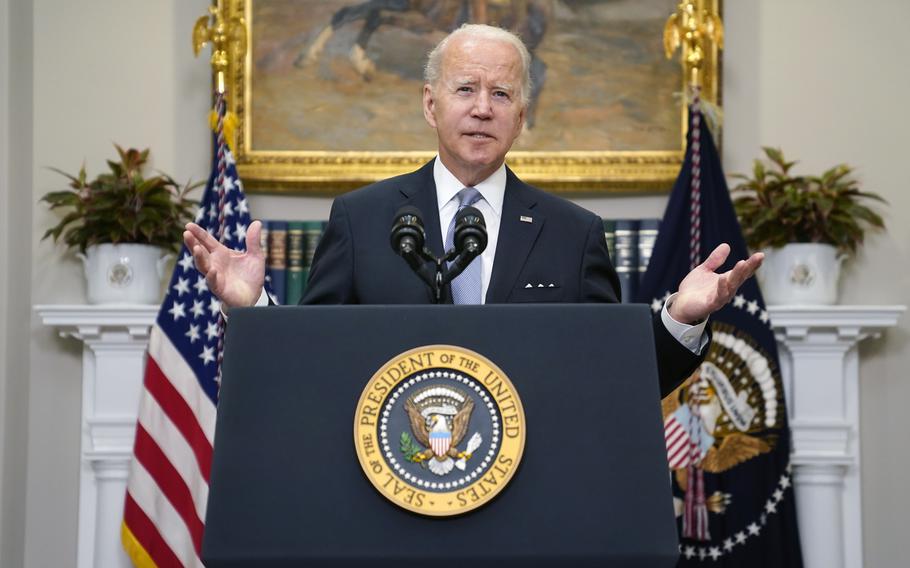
(439, 430)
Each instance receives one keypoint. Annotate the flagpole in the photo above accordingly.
(696, 30)
(227, 35)
(695, 255)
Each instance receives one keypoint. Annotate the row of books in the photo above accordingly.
(289, 247)
(630, 242)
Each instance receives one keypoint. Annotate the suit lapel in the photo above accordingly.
(516, 238)
(420, 192)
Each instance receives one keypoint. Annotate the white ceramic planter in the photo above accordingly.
(800, 274)
(124, 273)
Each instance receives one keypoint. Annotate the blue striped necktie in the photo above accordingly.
(467, 286)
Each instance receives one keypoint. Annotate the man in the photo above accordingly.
(541, 248)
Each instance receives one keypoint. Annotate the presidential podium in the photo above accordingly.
(591, 488)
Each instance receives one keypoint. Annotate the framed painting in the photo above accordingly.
(328, 95)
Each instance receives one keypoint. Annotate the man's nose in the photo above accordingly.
(482, 105)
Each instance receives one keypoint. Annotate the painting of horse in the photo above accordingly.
(343, 75)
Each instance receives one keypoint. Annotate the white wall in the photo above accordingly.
(15, 273)
(827, 80)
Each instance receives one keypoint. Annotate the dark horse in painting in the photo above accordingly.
(526, 18)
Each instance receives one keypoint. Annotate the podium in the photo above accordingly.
(591, 489)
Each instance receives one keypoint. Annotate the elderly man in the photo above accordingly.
(541, 248)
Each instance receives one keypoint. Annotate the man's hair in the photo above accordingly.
(480, 31)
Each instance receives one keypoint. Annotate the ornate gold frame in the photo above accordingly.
(331, 173)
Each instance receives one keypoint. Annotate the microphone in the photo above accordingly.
(469, 238)
(408, 235)
(407, 239)
(470, 234)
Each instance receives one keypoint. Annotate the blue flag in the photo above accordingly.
(728, 443)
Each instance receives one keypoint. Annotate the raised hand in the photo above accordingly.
(703, 291)
(236, 278)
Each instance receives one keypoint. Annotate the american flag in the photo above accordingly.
(686, 439)
(167, 491)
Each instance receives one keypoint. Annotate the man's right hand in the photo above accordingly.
(236, 278)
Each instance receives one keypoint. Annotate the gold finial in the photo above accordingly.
(226, 34)
(693, 27)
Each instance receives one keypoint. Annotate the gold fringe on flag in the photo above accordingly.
(230, 127)
(134, 550)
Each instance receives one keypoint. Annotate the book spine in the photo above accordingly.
(627, 258)
(295, 274)
(647, 236)
(312, 232)
(278, 259)
(610, 237)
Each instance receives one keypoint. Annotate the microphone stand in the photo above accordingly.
(435, 272)
(408, 241)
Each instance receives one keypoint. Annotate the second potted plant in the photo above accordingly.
(123, 226)
(806, 225)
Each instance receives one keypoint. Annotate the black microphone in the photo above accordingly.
(470, 239)
(470, 234)
(408, 235)
(407, 239)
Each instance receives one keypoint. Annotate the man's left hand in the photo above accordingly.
(703, 291)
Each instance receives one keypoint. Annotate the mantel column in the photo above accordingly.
(820, 369)
(113, 357)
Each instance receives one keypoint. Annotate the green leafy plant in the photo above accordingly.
(122, 206)
(779, 207)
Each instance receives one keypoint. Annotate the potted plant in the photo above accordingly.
(806, 225)
(124, 226)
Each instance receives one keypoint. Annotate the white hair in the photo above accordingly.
(481, 31)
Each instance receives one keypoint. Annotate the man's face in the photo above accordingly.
(475, 106)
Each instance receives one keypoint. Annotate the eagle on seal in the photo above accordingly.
(439, 421)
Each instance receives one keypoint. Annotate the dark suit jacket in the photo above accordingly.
(563, 245)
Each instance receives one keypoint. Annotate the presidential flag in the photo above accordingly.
(728, 443)
(164, 512)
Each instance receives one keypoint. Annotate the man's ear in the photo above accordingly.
(521, 118)
(429, 105)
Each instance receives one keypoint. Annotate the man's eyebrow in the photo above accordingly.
(470, 81)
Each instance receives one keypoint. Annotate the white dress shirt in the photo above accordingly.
(492, 192)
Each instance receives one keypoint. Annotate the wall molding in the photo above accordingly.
(819, 359)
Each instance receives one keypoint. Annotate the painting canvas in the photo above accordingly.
(332, 90)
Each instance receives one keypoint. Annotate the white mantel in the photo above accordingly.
(114, 341)
(819, 364)
(819, 360)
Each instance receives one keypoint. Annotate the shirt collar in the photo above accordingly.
(492, 189)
